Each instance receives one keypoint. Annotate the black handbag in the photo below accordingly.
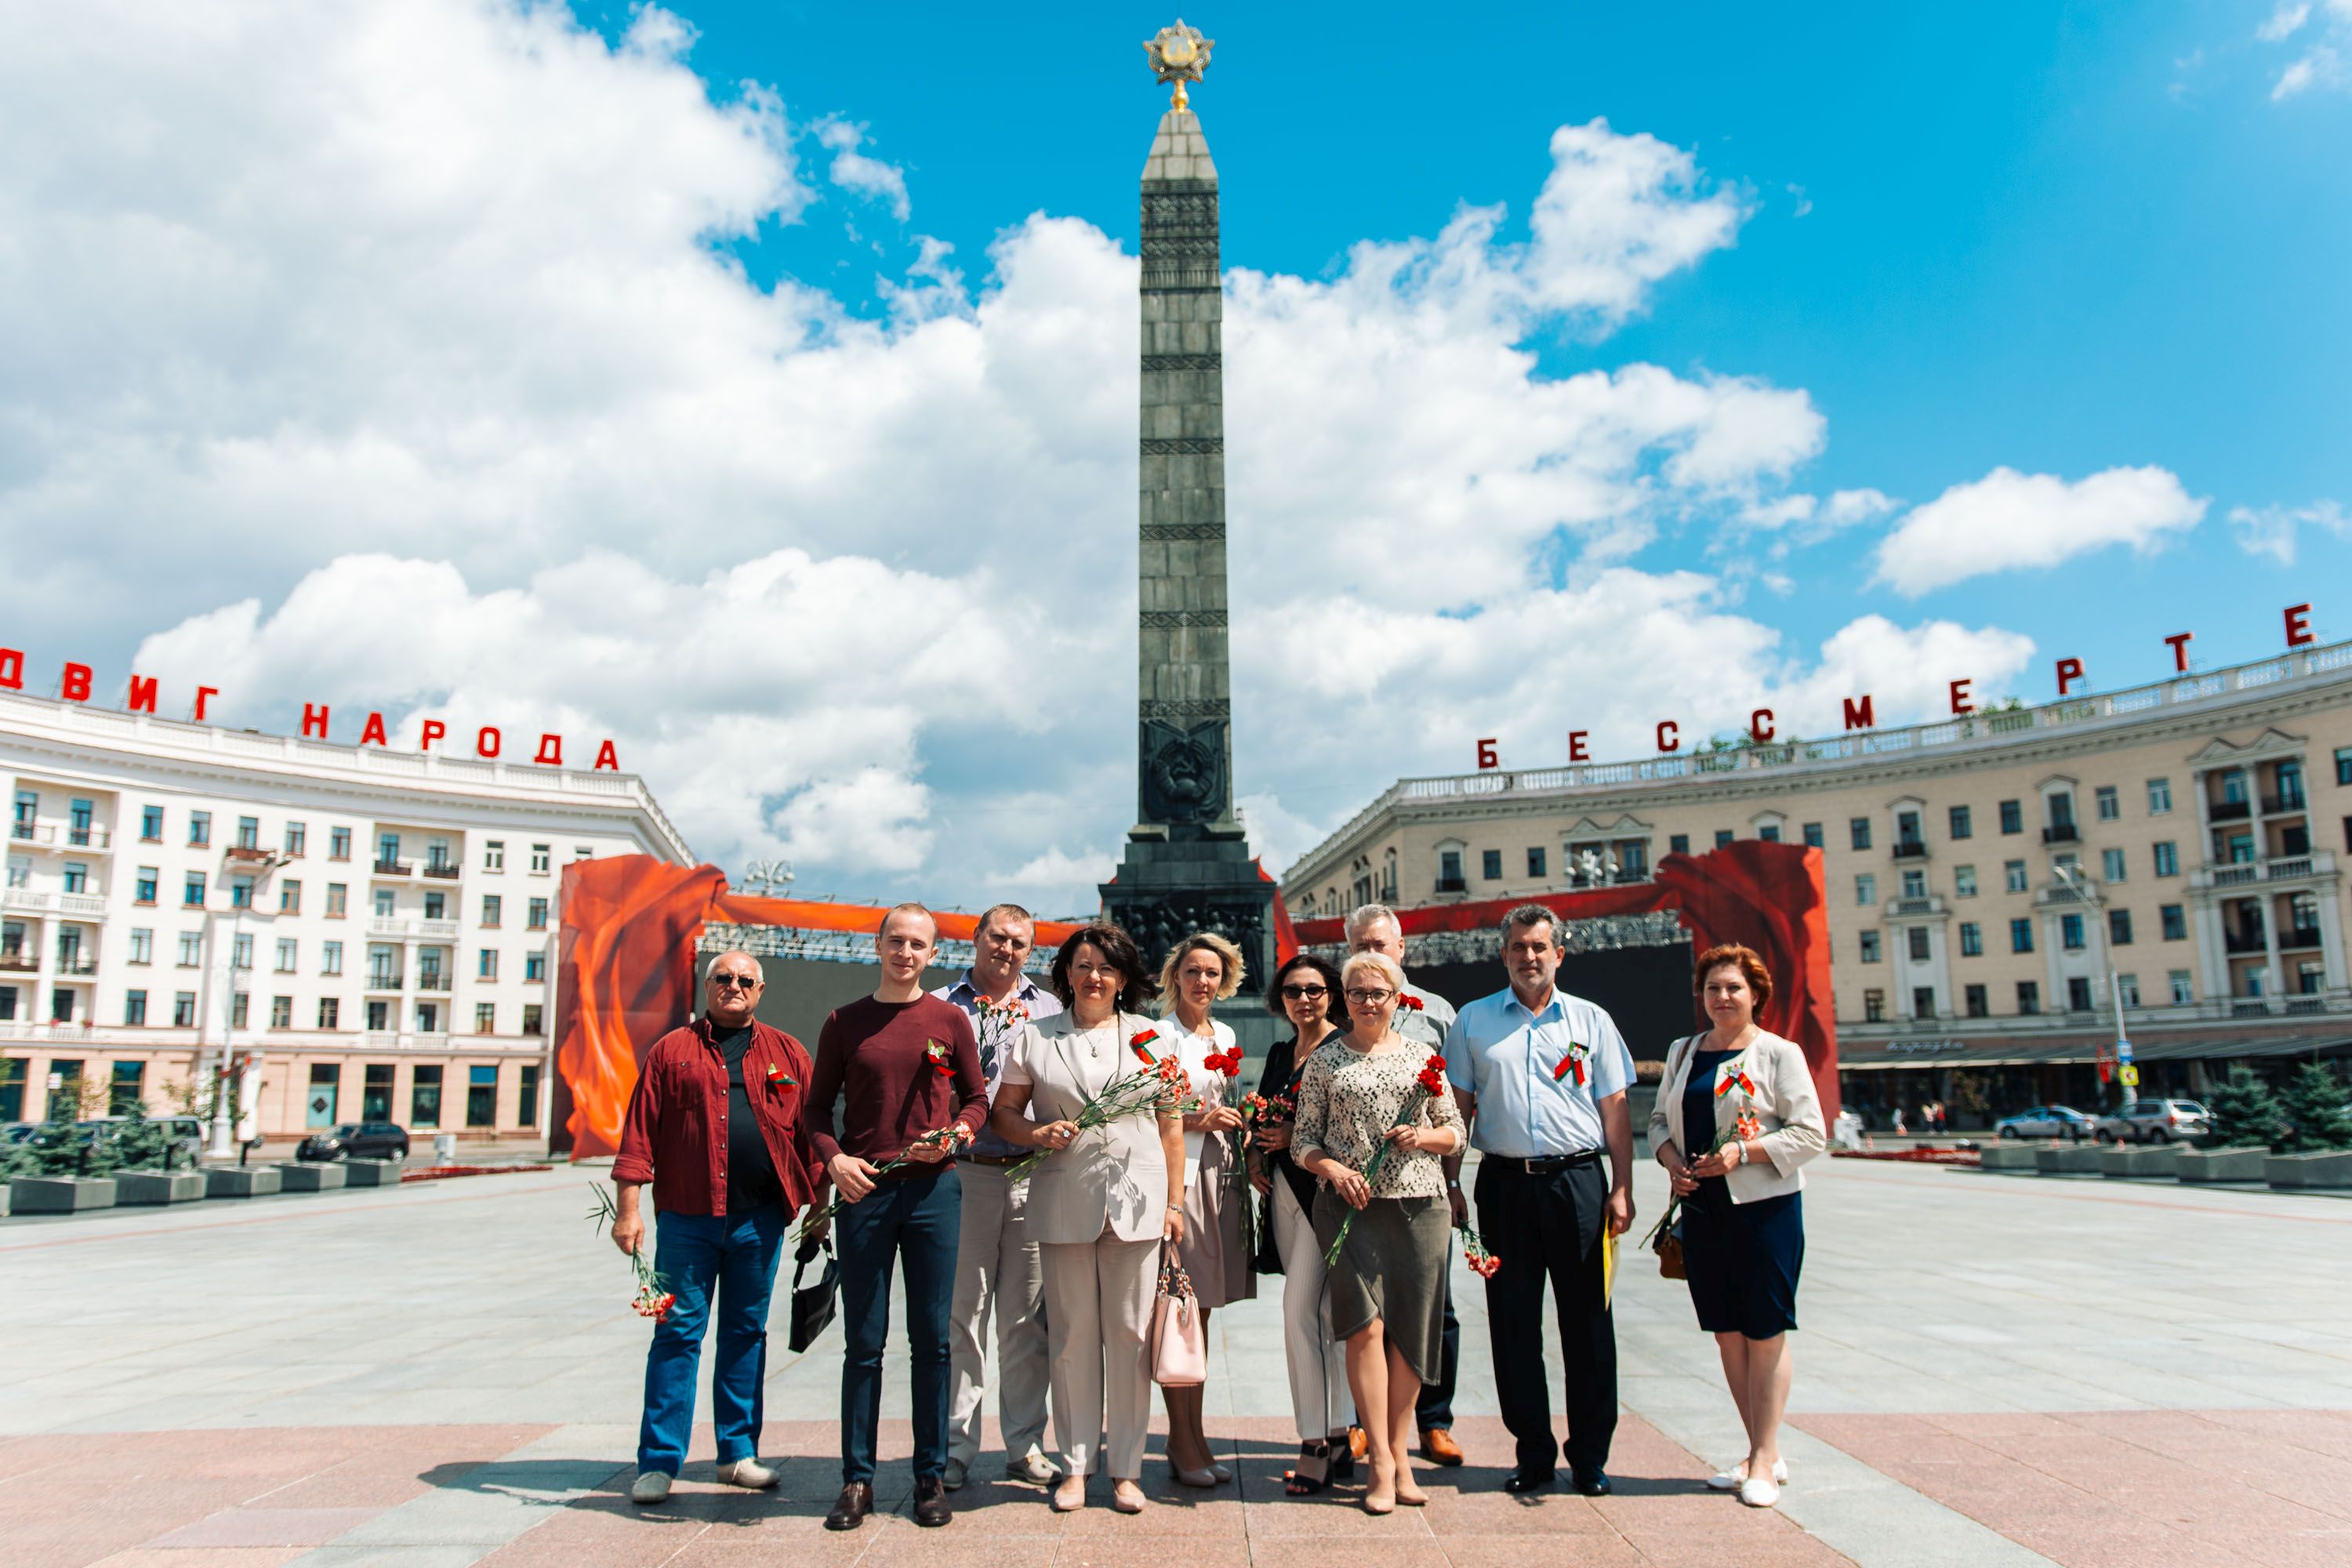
(813, 1305)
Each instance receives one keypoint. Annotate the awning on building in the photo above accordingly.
(2036, 1050)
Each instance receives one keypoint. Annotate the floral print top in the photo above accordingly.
(1348, 1100)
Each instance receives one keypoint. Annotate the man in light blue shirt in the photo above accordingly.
(997, 1269)
(1541, 1079)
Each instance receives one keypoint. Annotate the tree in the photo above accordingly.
(140, 1144)
(2246, 1114)
(2315, 1108)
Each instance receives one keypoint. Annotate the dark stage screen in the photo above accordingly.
(1646, 989)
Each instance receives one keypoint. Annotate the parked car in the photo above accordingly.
(187, 1134)
(2047, 1122)
(2156, 1121)
(357, 1141)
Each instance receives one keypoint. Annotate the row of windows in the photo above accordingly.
(2015, 876)
(2172, 918)
(330, 1014)
(147, 884)
(127, 1086)
(1976, 1000)
(288, 956)
(296, 840)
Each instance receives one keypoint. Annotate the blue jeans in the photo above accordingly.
(732, 1258)
(917, 1221)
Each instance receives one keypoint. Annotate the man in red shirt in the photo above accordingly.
(717, 1125)
(908, 1067)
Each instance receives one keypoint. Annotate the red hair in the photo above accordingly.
(1749, 963)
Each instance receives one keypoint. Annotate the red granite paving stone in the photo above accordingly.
(1118, 1554)
(1501, 1514)
(1334, 1516)
(1163, 1516)
(267, 1527)
(828, 1549)
(205, 1557)
(1421, 1551)
(1610, 1551)
(2318, 1548)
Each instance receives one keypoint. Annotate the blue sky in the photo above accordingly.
(451, 356)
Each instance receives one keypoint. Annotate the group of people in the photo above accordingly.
(958, 1135)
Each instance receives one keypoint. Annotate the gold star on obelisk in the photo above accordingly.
(1179, 54)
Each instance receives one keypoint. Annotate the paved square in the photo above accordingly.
(1991, 1371)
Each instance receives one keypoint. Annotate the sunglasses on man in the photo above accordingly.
(731, 981)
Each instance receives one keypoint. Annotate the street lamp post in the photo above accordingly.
(2073, 882)
(224, 1132)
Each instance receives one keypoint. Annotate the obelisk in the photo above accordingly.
(1187, 865)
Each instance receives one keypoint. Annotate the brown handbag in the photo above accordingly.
(1667, 1236)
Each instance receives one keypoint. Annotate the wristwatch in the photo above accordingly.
(1453, 1186)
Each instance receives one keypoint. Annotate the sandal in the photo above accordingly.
(1295, 1484)
(1343, 1456)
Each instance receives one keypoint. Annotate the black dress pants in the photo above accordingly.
(1548, 1227)
(1434, 1409)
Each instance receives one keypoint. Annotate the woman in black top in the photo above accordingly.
(1306, 992)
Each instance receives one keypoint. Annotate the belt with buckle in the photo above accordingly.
(990, 1158)
(1547, 1165)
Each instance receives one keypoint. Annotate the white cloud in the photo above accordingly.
(2008, 520)
(2321, 62)
(2272, 530)
(853, 171)
(2283, 22)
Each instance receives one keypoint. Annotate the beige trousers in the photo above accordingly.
(1098, 1299)
(997, 1274)
(1319, 1400)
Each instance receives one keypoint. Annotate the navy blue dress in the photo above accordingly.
(1741, 1260)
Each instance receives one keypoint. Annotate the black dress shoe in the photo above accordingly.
(1526, 1480)
(1591, 1483)
(932, 1509)
(849, 1509)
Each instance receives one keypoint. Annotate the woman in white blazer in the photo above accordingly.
(1100, 1206)
(1735, 1121)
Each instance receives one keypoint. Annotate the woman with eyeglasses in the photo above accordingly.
(1361, 1091)
(1306, 990)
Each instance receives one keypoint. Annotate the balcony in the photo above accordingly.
(393, 868)
(2240, 941)
(2297, 938)
(1910, 850)
(2277, 869)
(2280, 805)
(1928, 907)
(383, 980)
(2229, 811)
(16, 963)
(73, 906)
(432, 980)
(2061, 833)
(74, 967)
(442, 871)
(1452, 885)
(50, 836)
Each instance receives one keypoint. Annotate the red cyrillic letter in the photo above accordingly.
(204, 694)
(12, 668)
(317, 716)
(1670, 735)
(608, 758)
(1861, 715)
(372, 734)
(1576, 745)
(487, 744)
(1487, 758)
(2298, 626)
(434, 730)
(1760, 726)
(2178, 643)
(142, 694)
(75, 686)
(551, 752)
(1960, 703)
(2070, 670)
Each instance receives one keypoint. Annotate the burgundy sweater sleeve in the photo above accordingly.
(972, 1086)
(823, 1089)
(804, 1147)
(633, 1162)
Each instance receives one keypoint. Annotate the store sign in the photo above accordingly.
(76, 683)
(1924, 1048)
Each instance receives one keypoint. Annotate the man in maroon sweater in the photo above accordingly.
(908, 1067)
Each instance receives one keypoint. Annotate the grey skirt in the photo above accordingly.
(1215, 1251)
(1393, 1268)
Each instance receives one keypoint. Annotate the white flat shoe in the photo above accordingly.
(650, 1486)
(1758, 1492)
(1729, 1480)
(748, 1473)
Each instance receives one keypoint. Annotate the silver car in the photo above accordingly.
(2156, 1121)
(2047, 1121)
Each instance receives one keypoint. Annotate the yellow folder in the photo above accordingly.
(1607, 1263)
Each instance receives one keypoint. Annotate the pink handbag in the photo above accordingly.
(1180, 1352)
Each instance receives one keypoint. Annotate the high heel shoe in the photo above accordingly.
(1222, 1472)
(1203, 1479)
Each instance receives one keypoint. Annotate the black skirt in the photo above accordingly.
(1742, 1260)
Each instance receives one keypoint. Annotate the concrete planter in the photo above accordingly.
(2324, 1168)
(241, 1181)
(307, 1178)
(60, 1195)
(5, 1189)
(2222, 1164)
(2021, 1158)
(2067, 1160)
(370, 1173)
(158, 1186)
(2125, 1161)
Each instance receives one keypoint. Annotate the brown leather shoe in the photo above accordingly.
(849, 1509)
(932, 1509)
(1438, 1446)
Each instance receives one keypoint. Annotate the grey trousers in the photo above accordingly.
(1099, 1297)
(997, 1274)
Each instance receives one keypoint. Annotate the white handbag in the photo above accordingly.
(1180, 1352)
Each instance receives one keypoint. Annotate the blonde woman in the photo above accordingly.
(1735, 1121)
(1202, 969)
(1388, 1284)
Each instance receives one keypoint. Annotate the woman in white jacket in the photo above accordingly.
(1735, 1121)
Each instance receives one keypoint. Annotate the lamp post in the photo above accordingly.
(2070, 877)
(262, 862)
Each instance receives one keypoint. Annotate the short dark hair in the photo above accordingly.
(1533, 915)
(1136, 987)
(1335, 1005)
(1015, 910)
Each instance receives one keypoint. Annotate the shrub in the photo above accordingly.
(2246, 1114)
(2315, 1108)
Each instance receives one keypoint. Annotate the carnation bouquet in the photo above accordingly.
(655, 1298)
(951, 1137)
(1161, 1085)
(1427, 1085)
(1744, 1126)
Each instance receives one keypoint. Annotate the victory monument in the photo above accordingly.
(1187, 865)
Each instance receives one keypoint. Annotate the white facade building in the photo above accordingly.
(370, 933)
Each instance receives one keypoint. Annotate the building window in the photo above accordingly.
(538, 859)
(248, 833)
(192, 949)
(2078, 995)
(2103, 800)
(1971, 940)
(2343, 764)
(2174, 919)
(239, 1006)
(183, 1010)
(2111, 865)
(1536, 862)
(1770, 833)
(494, 855)
(2029, 996)
(487, 967)
(1858, 830)
(1812, 836)
(387, 852)
(330, 1013)
(2119, 928)
(2013, 817)
(240, 892)
(2013, 875)
(143, 945)
(281, 1012)
(486, 1017)
(436, 906)
(1918, 940)
(337, 900)
(290, 897)
(1961, 825)
(1449, 870)
(1915, 884)
(1870, 947)
(534, 966)
(287, 954)
(1964, 881)
(331, 958)
(2020, 934)
(1866, 889)
(385, 903)
(1677, 843)
(536, 915)
(1975, 1003)
(1490, 865)
(527, 1096)
(2070, 933)
(339, 844)
(297, 838)
(1722, 839)
(241, 951)
(200, 829)
(425, 1097)
(379, 1015)
(2183, 992)
(1874, 1006)
(481, 1096)
(2127, 987)
(144, 886)
(1923, 1001)
(151, 824)
(134, 1009)
(77, 877)
(582, 852)
(2159, 796)
(530, 1018)
(491, 906)
(2168, 857)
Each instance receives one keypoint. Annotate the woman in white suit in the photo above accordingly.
(1100, 1207)
(1743, 1098)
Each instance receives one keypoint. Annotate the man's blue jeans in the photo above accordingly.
(732, 1259)
(917, 1221)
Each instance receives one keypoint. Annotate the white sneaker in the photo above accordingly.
(650, 1486)
(1758, 1492)
(1729, 1480)
(748, 1473)
(1032, 1466)
(956, 1474)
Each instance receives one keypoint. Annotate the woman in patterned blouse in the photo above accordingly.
(1359, 1090)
